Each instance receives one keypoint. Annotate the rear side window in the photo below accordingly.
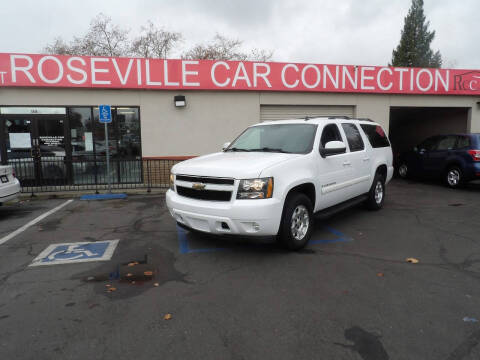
(446, 143)
(354, 138)
(330, 133)
(463, 142)
(375, 135)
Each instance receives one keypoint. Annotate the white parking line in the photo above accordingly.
(33, 222)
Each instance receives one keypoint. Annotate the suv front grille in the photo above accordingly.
(205, 180)
(214, 195)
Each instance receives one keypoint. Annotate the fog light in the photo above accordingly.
(225, 226)
(255, 226)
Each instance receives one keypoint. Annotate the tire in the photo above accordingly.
(376, 195)
(403, 171)
(453, 177)
(297, 222)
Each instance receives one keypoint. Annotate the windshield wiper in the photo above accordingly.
(237, 149)
(267, 149)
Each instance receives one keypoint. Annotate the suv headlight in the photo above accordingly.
(172, 182)
(255, 188)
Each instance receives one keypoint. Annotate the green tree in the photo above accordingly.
(414, 47)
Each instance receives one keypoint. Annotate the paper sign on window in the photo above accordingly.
(88, 141)
(20, 140)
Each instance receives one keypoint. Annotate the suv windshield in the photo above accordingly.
(286, 138)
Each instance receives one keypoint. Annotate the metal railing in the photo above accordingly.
(57, 174)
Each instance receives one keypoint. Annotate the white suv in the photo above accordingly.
(275, 176)
(9, 184)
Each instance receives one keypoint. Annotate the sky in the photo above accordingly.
(359, 32)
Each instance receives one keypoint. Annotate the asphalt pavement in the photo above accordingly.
(166, 293)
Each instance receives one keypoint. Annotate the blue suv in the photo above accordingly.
(453, 158)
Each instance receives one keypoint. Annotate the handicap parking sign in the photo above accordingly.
(105, 114)
(69, 253)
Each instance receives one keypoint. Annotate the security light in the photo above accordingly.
(179, 101)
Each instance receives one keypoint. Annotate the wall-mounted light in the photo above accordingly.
(179, 101)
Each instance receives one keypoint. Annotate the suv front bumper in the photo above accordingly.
(237, 217)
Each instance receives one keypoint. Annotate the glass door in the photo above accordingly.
(49, 149)
(35, 146)
(18, 149)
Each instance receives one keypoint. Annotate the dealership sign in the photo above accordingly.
(25, 70)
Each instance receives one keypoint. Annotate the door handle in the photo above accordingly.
(366, 159)
(347, 163)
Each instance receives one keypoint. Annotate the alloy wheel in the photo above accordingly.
(300, 222)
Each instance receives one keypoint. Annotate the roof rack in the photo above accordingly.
(340, 117)
(365, 119)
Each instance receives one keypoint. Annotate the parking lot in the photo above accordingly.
(350, 294)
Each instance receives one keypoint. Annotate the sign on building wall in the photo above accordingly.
(139, 73)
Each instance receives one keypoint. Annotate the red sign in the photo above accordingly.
(158, 74)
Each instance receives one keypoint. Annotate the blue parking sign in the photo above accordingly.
(105, 114)
(68, 253)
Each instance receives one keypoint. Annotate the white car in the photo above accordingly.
(275, 176)
(9, 184)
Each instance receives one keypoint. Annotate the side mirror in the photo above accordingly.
(333, 148)
(226, 145)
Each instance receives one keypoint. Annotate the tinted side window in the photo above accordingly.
(330, 133)
(353, 137)
(375, 135)
(463, 142)
(428, 144)
(446, 143)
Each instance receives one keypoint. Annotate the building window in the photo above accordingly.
(81, 133)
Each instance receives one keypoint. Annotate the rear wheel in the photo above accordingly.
(297, 222)
(454, 177)
(403, 171)
(376, 195)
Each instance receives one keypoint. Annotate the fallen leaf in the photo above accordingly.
(412, 260)
(107, 285)
(156, 284)
(148, 273)
(133, 263)
(167, 316)
(129, 274)
(110, 289)
(133, 282)
(380, 274)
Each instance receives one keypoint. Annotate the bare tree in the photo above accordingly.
(59, 47)
(103, 38)
(223, 48)
(220, 48)
(154, 42)
(260, 55)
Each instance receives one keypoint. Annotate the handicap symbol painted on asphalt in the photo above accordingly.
(68, 253)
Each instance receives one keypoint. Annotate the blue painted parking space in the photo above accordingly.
(185, 248)
(68, 253)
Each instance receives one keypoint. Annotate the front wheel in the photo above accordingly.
(376, 195)
(297, 222)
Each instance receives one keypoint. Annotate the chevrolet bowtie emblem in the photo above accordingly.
(198, 186)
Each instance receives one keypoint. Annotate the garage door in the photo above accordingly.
(281, 112)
